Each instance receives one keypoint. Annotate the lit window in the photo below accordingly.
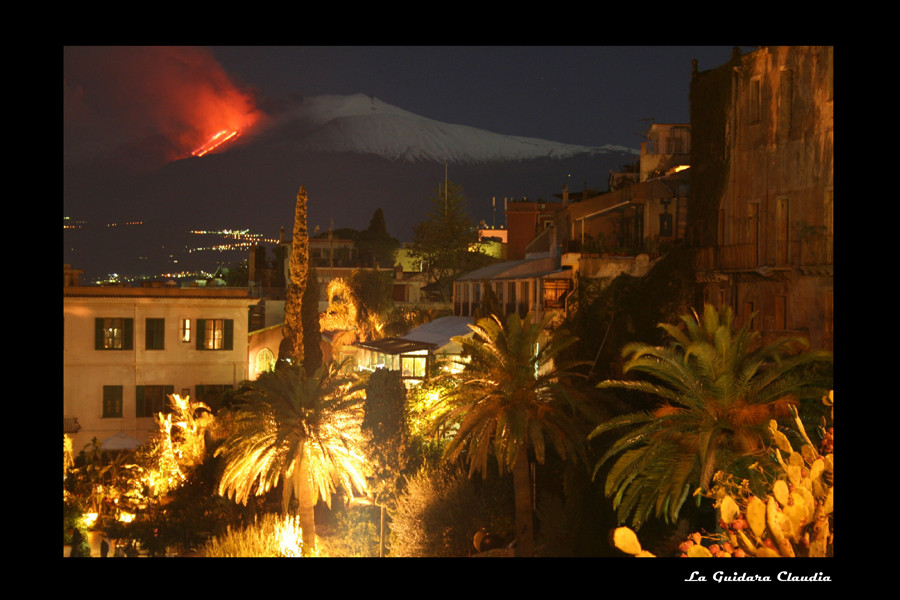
(413, 366)
(185, 330)
(555, 291)
(113, 334)
(215, 334)
(265, 360)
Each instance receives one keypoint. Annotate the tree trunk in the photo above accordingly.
(524, 516)
(306, 505)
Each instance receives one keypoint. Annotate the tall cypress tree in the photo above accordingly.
(293, 301)
(312, 332)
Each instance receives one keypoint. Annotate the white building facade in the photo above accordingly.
(126, 349)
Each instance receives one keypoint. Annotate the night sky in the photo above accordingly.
(588, 95)
(134, 109)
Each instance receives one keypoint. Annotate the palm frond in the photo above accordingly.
(722, 385)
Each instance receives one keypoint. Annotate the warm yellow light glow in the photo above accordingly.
(125, 517)
(290, 537)
(90, 519)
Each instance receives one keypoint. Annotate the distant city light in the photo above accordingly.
(235, 240)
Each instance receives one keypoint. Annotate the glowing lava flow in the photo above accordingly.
(216, 141)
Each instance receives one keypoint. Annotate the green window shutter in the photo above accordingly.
(140, 404)
(229, 334)
(199, 391)
(129, 334)
(201, 333)
(98, 333)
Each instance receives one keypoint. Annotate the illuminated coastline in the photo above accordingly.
(217, 242)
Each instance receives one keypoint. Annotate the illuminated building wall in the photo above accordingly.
(125, 349)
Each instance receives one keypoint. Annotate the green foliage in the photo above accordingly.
(238, 275)
(387, 444)
(375, 246)
(293, 347)
(794, 515)
(615, 312)
(312, 334)
(444, 240)
(285, 417)
(513, 400)
(194, 512)
(372, 292)
(718, 388)
(570, 523)
(441, 509)
(512, 393)
(352, 532)
(102, 481)
(298, 430)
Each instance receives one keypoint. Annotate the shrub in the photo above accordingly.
(271, 536)
(441, 509)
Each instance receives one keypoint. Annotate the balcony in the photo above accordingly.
(815, 252)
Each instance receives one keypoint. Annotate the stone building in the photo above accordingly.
(762, 198)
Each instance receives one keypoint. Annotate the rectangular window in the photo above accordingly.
(215, 334)
(185, 330)
(749, 317)
(754, 101)
(753, 231)
(155, 334)
(782, 231)
(112, 401)
(152, 399)
(555, 291)
(113, 333)
(781, 312)
(413, 366)
(785, 101)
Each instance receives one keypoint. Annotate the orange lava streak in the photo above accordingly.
(215, 141)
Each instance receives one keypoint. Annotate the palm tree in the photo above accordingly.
(720, 386)
(302, 429)
(513, 398)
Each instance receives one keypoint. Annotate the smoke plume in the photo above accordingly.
(147, 105)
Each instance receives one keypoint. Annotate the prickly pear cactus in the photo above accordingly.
(795, 518)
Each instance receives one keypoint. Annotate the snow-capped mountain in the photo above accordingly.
(365, 124)
(353, 154)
